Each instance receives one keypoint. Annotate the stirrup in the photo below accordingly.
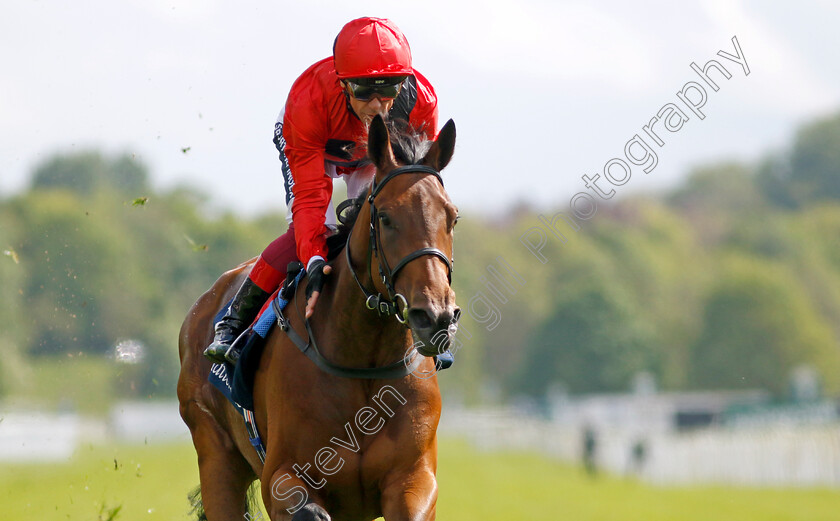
(234, 351)
(232, 354)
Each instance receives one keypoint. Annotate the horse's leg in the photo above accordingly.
(224, 473)
(410, 496)
(287, 498)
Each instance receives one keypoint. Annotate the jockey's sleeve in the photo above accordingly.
(312, 188)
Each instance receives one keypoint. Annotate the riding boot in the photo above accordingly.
(239, 315)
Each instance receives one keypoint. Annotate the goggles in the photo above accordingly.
(364, 89)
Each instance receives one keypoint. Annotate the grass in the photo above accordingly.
(526, 486)
(152, 482)
(102, 483)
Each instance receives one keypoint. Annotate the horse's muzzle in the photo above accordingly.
(434, 331)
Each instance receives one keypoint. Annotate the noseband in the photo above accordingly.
(376, 301)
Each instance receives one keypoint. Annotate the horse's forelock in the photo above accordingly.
(409, 145)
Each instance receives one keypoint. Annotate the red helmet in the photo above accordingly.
(371, 47)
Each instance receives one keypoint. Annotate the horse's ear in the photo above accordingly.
(441, 151)
(379, 146)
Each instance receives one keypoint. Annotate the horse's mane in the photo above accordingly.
(410, 146)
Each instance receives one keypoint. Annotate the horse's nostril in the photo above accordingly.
(449, 317)
(419, 318)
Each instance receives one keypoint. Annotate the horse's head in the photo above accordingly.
(412, 222)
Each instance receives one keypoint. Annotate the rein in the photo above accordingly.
(398, 369)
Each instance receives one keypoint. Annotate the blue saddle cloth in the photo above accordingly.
(235, 384)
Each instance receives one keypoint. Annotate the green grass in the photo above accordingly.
(152, 482)
(500, 486)
(145, 482)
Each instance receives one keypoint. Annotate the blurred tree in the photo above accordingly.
(714, 196)
(86, 172)
(815, 161)
(72, 261)
(814, 258)
(591, 342)
(726, 185)
(810, 171)
(128, 175)
(757, 326)
(96, 269)
(773, 177)
(12, 279)
(662, 268)
(80, 172)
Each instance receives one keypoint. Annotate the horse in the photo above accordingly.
(335, 445)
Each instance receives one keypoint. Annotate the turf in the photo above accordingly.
(152, 482)
(475, 485)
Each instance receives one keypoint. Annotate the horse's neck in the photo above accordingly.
(353, 334)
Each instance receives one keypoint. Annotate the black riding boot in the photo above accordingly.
(242, 311)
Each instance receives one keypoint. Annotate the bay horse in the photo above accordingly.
(351, 448)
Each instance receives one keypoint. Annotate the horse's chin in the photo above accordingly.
(423, 350)
(435, 344)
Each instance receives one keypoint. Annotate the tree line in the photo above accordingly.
(729, 281)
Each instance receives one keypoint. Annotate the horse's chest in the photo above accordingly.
(359, 444)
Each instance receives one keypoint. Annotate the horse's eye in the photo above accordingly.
(457, 218)
(385, 220)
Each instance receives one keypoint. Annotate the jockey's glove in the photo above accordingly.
(316, 277)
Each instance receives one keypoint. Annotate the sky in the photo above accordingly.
(541, 92)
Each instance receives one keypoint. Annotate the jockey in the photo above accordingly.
(318, 137)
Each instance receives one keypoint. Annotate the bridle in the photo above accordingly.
(374, 300)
